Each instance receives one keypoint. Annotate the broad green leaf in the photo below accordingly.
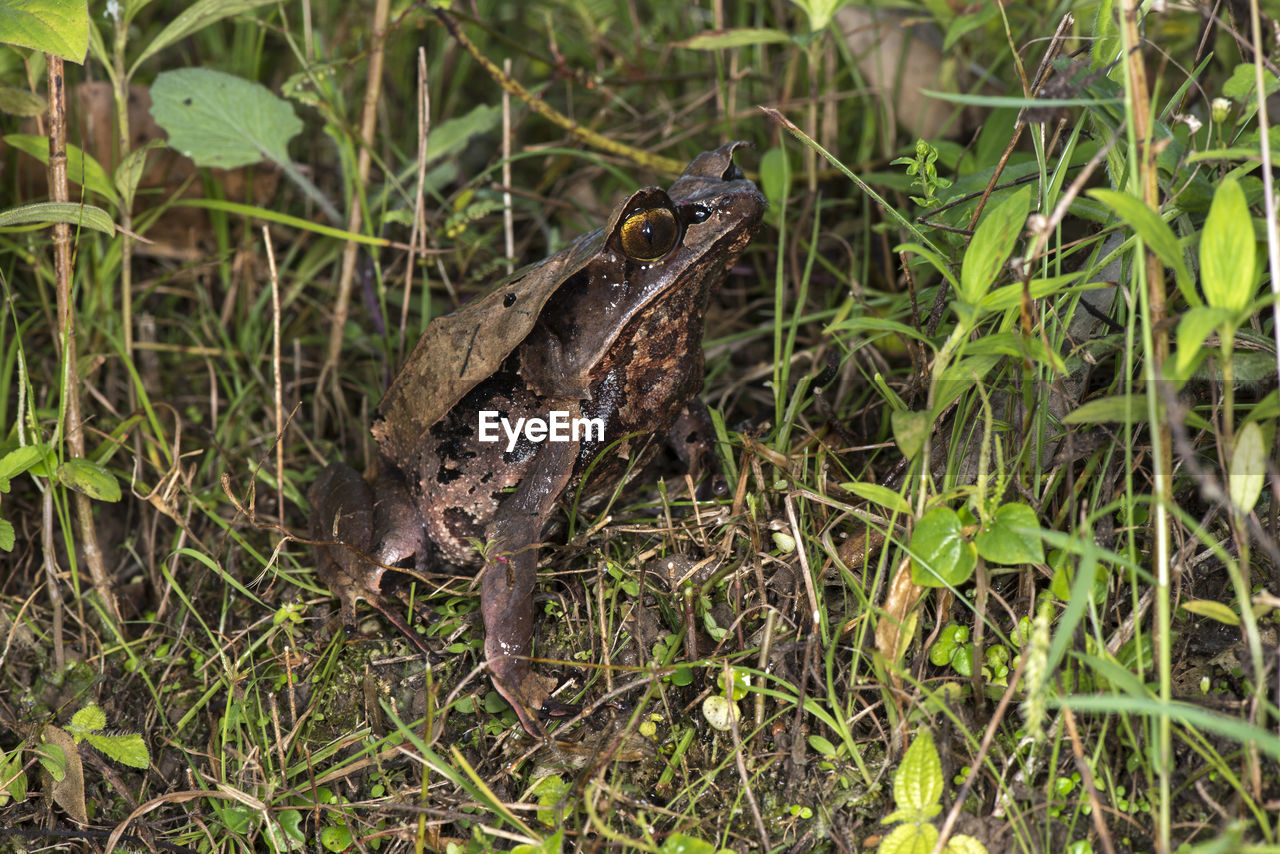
(47, 213)
(1242, 86)
(991, 245)
(550, 790)
(1219, 611)
(917, 784)
(1193, 328)
(1000, 542)
(12, 778)
(823, 746)
(1248, 468)
(678, 843)
(20, 102)
(775, 175)
(880, 495)
(742, 37)
(60, 27)
(195, 17)
(940, 555)
(1155, 233)
(1228, 257)
(337, 838)
(453, 135)
(82, 169)
(962, 844)
(89, 719)
(910, 838)
(222, 120)
(20, 459)
(550, 845)
(8, 537)
(128, 749)
(910, 430)
(90, 478)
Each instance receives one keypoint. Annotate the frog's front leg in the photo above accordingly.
(359, 537)
(507, 585)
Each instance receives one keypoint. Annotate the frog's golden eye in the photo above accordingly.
(649, 234)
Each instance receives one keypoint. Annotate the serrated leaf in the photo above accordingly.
(910, 839)
(127, 749)
(1218, 611)
(194, 18)
(739, 37)
(1228, 257)
(882, 496)
(992, 243)
(222, 120)
(89, 478)
(1248, 471)
(89, 719)
(1155, 233)
(82, 169)
(47, 213)
(60, 27)
(999, 542)
(940, 554)
(1242, 85)
(917, 784)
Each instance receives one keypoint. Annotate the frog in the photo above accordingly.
(606, 334)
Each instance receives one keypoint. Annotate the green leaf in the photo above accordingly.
(82, 169)
(1001, 542)
(740, 37)
(940, 555)
(89, 719)
(1228, 255)
(870, 323)
(222, 120)
(194, 18)
(20, 102)
(60, 27)
(992, 243)
(550, 790)
(775, 175)
(1248, 468)
(8, 537)
(678, 843)
(880, 495)
(453, 135)
(1119, 408)
(551, 845)
(910, 429)
(20, 459)
(130, 171)
(128, 749)
(90, 478)
(910, 839)
(822, 746)
(1193, 328)
(53, 759)
(1213, 610)
(1242, 85)
(1155, 233)
(12, 778)
(47, 213)
(962, 844)
(917, 784)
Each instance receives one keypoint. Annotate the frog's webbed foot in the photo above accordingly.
(507, 586)
(693, 438)
(345, 516)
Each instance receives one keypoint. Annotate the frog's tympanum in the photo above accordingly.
(609, 328)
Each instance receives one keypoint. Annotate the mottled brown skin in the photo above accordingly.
(594, 330)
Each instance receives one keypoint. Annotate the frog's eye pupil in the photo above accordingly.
(648, 235)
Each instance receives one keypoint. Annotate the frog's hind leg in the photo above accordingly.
(343, 519)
